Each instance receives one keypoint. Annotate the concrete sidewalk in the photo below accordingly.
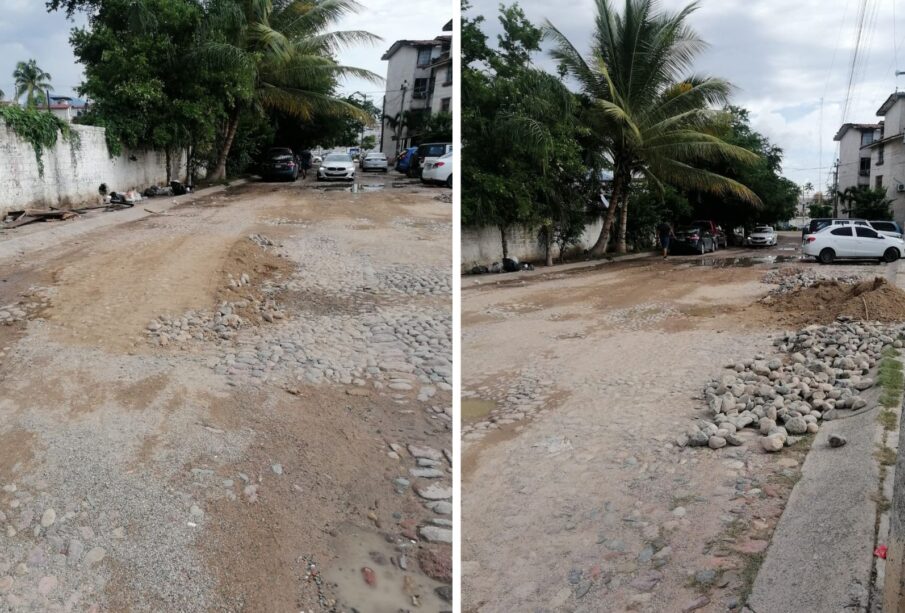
(53, 234)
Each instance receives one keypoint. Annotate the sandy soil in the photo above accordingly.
(579, 499)
(173, 487)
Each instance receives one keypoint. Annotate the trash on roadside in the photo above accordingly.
(880, 552)
(15, 219)
(156, 191)
(179, 189)
(510, 264)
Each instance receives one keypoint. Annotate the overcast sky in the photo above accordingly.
(28, 31)
(780, 56)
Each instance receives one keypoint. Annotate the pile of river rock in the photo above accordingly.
(794, 279)
(826, 369)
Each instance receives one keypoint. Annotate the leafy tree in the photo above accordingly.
(865, 203)
(283, 52)
(778, 196)
(652, 117)
(819, 209)
(369, 142)
(436, 127)
(31, 82)
(524, 160)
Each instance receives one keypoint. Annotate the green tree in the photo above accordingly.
(369, 142)
(31, 82)
(283, 52)
(865, 203)
(652, 117)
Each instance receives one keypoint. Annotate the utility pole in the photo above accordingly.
(404, 87)
(836, 189)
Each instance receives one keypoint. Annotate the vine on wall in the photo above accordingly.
(40, 128)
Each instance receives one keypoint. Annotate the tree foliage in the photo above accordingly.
(865, 203)
(31, 82)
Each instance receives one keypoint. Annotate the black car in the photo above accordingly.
(692, 240)
(280, 163)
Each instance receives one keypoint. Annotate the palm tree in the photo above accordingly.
(653, 118)
(31, 81)
(283, 54)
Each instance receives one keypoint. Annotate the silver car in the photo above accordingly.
(374, 161)
(336, 166)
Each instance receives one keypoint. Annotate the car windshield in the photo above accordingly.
(432, 150)
(280, 154)
(338, 157)
(763, 229)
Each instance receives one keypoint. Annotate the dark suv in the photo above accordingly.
(280, 163)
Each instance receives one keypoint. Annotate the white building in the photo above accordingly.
(419, 81)
(879, 160)
(65, 107)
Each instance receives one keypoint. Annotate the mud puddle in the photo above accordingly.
(746, 261)
(354, 188)
(476, 409)
(364, 553)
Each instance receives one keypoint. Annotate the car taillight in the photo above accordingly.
(694, 237)
(439, 164)
(810, 239)
(291, 164)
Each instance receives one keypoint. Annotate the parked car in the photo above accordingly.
(715, 231)
(337, 166)
(374, 161)
(850, 241)
(404, 159)
(817, 224)
(762, 236)
(426, 153)
(693, 240)
(439, 171)
(317, 159)
(280, 163)
(887, 228)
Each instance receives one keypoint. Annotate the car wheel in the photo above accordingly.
(449, 181)
(890, 255)
(827, 256)
(716, 245)
(702, 248)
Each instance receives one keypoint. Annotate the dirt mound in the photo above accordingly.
(872, 299)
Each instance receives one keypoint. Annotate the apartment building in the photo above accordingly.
(418, 84)
(879, 160)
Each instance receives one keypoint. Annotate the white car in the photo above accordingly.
(762, 236)
(337, 166)
(852, 242)
(374, 161)
(439, 171)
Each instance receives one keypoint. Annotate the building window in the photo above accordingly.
(864, 170)
(879, 155)
(420, 90)
(424, 56)
(444, 105)
(878, 181)
(867, 138)
(447, 79)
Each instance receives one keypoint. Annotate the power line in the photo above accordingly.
(862, 11)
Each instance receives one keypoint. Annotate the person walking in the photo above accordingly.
(665, 233)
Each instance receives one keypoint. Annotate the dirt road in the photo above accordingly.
(576, 495)
(240, 405)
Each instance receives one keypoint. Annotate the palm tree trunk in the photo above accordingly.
(169, 165)
(600, 247)
(503, 241)
(623, 221)
(220, 169)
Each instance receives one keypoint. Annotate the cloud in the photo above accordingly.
(781, 56)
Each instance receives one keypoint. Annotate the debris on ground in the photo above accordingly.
(507, 265)
(444, 197)
(826, 369)
(821, 303)
(837, 440)
(15, 219)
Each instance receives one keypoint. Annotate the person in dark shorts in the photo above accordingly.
(665, 233)
(306, 162)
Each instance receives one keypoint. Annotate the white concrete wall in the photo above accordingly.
(483, 246)
(403, 66)
(72, 174)
(850, 155)
(441, 90)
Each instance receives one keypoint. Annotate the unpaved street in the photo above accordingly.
(577, 384)
(240, 405)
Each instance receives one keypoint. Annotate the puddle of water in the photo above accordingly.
(353, 188)
(393, 588)
(745, 262)
(475, 409)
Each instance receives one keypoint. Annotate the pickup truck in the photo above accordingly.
(719, 237)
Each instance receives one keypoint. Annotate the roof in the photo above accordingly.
(855, 126)
(399, 44)
(893, 98)
(448, 26)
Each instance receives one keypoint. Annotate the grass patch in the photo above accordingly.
(891, 379)
(748, 573)
(888, 419)
(682, 501)
(885, 455)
